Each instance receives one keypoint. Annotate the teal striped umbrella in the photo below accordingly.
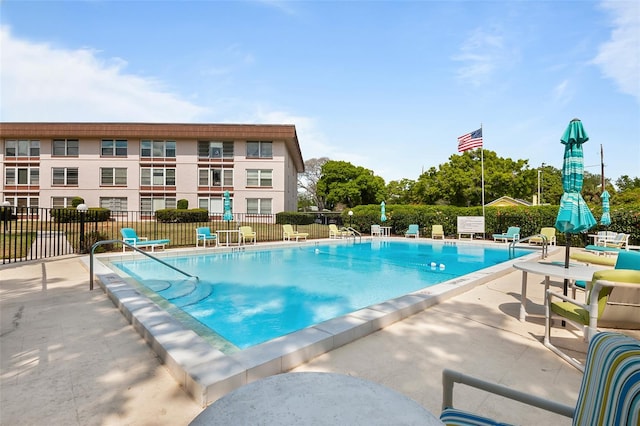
(227, 207)
(605, 220)
(574, 215)
(383, 216)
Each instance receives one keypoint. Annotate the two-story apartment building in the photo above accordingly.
(146, 167)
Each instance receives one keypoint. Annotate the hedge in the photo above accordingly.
(71, 214)
(497, 219)
(182, 216)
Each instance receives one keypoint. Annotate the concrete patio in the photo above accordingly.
(68, 356)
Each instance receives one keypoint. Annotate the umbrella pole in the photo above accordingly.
(565, 284)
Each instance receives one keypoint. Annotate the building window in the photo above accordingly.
(23, 201)
(113, 176)
(257, 149)
(157, 149)
(260, 178)
(213, 149)
(157, 176)
(150, 205)
(113, 148)
(115, 204)
(259, 206)
(22, 176)
(61, 202)
(213, 205)
(65, 176)
(66, 147)
(23, 148)
(215, 177)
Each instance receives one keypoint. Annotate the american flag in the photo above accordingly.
(470, 140)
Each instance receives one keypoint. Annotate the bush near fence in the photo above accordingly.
(71, 214)
(497, 219)
(182, 215)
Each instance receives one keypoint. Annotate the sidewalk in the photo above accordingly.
(69, 357)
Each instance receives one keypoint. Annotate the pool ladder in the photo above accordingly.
(545, 245)
(354, 233)
(99, 243)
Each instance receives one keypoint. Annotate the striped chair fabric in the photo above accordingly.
(610, 389)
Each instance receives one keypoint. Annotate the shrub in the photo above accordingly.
(182, 216)
(183, 204)
(295, 218)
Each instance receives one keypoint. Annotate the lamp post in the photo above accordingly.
(6, 214)
(82, 209)
(539, 173)
(350, 217)
(540, 183)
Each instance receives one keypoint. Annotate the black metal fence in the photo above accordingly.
(30, 233)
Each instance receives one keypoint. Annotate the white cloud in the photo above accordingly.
(619, 57)
(561, 92)
(43, 83)
(481, 54)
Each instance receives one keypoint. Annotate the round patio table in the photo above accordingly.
(312, 398)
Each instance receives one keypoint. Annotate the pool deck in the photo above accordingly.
(69, 356)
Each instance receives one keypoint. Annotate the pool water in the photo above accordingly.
(249, 297)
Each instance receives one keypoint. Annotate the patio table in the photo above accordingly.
(551, 269)
(313, 398)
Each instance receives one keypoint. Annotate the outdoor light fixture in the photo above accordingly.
(82, 209)
(350, 216)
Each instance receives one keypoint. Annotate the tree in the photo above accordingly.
(308, 180)
(399, 191)
(344, 183)
(459, 182)
(625, 183)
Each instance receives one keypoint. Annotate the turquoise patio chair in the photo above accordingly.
(512, 234)
(130, 236)
(413, 231)
(204, 234)
(609, 393)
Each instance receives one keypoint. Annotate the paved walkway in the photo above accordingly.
(69, 357)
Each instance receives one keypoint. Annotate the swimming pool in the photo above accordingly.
(249, 297)
(208, 370)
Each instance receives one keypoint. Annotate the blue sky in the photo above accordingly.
(387, 85)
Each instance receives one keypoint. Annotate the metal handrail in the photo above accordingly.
(354, 233)
(545, 245)
(99, 243)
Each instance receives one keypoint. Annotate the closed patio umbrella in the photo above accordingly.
(605, 220)
(227, 216)
(383, 216)
(574, 215)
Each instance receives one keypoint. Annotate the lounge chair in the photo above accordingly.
(609, 393)
(376, 231)
(288, 233)
(437, 232)
(204, 234)
(549, 233)
(130, 236)
(334, 232)
(512, 234)
(591, 258)
(246, 233)
(585, 315)
(413, 231)
(619, 243)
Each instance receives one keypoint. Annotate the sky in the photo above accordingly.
(386, 85)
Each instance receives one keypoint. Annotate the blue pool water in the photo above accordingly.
(250, 297)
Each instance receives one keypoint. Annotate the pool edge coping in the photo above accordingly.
(207, 374)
